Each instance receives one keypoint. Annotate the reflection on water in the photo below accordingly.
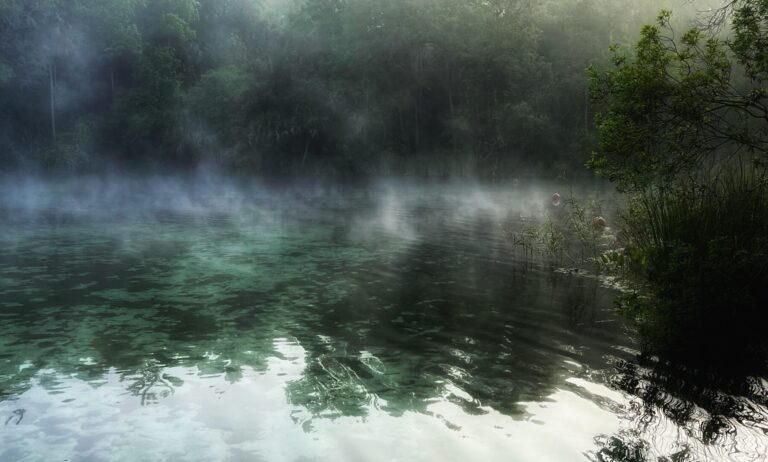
(688, 414)
(333, 328)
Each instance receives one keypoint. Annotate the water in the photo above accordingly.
(293, 326)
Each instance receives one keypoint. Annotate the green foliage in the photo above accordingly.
(682, 125)
(6, 73)
(74, 148)
(663, 109)
(146, 113)
(750, 42)
(215, 111)
(671, 105)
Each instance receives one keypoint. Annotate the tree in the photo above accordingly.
(674, 104)
(113, 27)
(683, 126)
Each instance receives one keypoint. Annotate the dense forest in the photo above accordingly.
(488, 88)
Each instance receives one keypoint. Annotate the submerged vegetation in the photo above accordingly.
(572, 233)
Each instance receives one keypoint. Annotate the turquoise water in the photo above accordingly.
(293, 326)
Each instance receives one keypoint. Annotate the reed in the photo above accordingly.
(701, 248)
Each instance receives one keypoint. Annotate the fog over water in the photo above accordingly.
(118, 196)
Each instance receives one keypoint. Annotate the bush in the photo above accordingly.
(702, 249)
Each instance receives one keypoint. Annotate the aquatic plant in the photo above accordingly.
(571, 233)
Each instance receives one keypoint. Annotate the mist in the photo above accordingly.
(204, 196)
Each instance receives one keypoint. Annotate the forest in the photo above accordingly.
(317, 88)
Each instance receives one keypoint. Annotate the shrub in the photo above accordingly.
(701, 247)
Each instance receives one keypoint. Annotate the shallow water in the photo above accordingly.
(399, 324)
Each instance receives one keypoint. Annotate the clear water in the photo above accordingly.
(395, 325)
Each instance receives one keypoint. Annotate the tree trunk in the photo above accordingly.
(417, 102)
(112, 81)
(52, 77)
(451, 106)
(417, 135)
(453, 119)
(306, 151)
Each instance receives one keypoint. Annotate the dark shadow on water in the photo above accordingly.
(716, 411)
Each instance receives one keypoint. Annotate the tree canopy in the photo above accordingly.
(356, 86)
(674, 105)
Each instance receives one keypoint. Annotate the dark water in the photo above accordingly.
(395, 325)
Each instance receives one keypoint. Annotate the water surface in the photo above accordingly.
(399, 324)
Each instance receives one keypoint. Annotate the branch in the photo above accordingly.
(714, 19)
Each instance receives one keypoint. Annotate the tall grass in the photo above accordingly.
(701, 246)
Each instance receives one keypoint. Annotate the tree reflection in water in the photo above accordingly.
(715, 414)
